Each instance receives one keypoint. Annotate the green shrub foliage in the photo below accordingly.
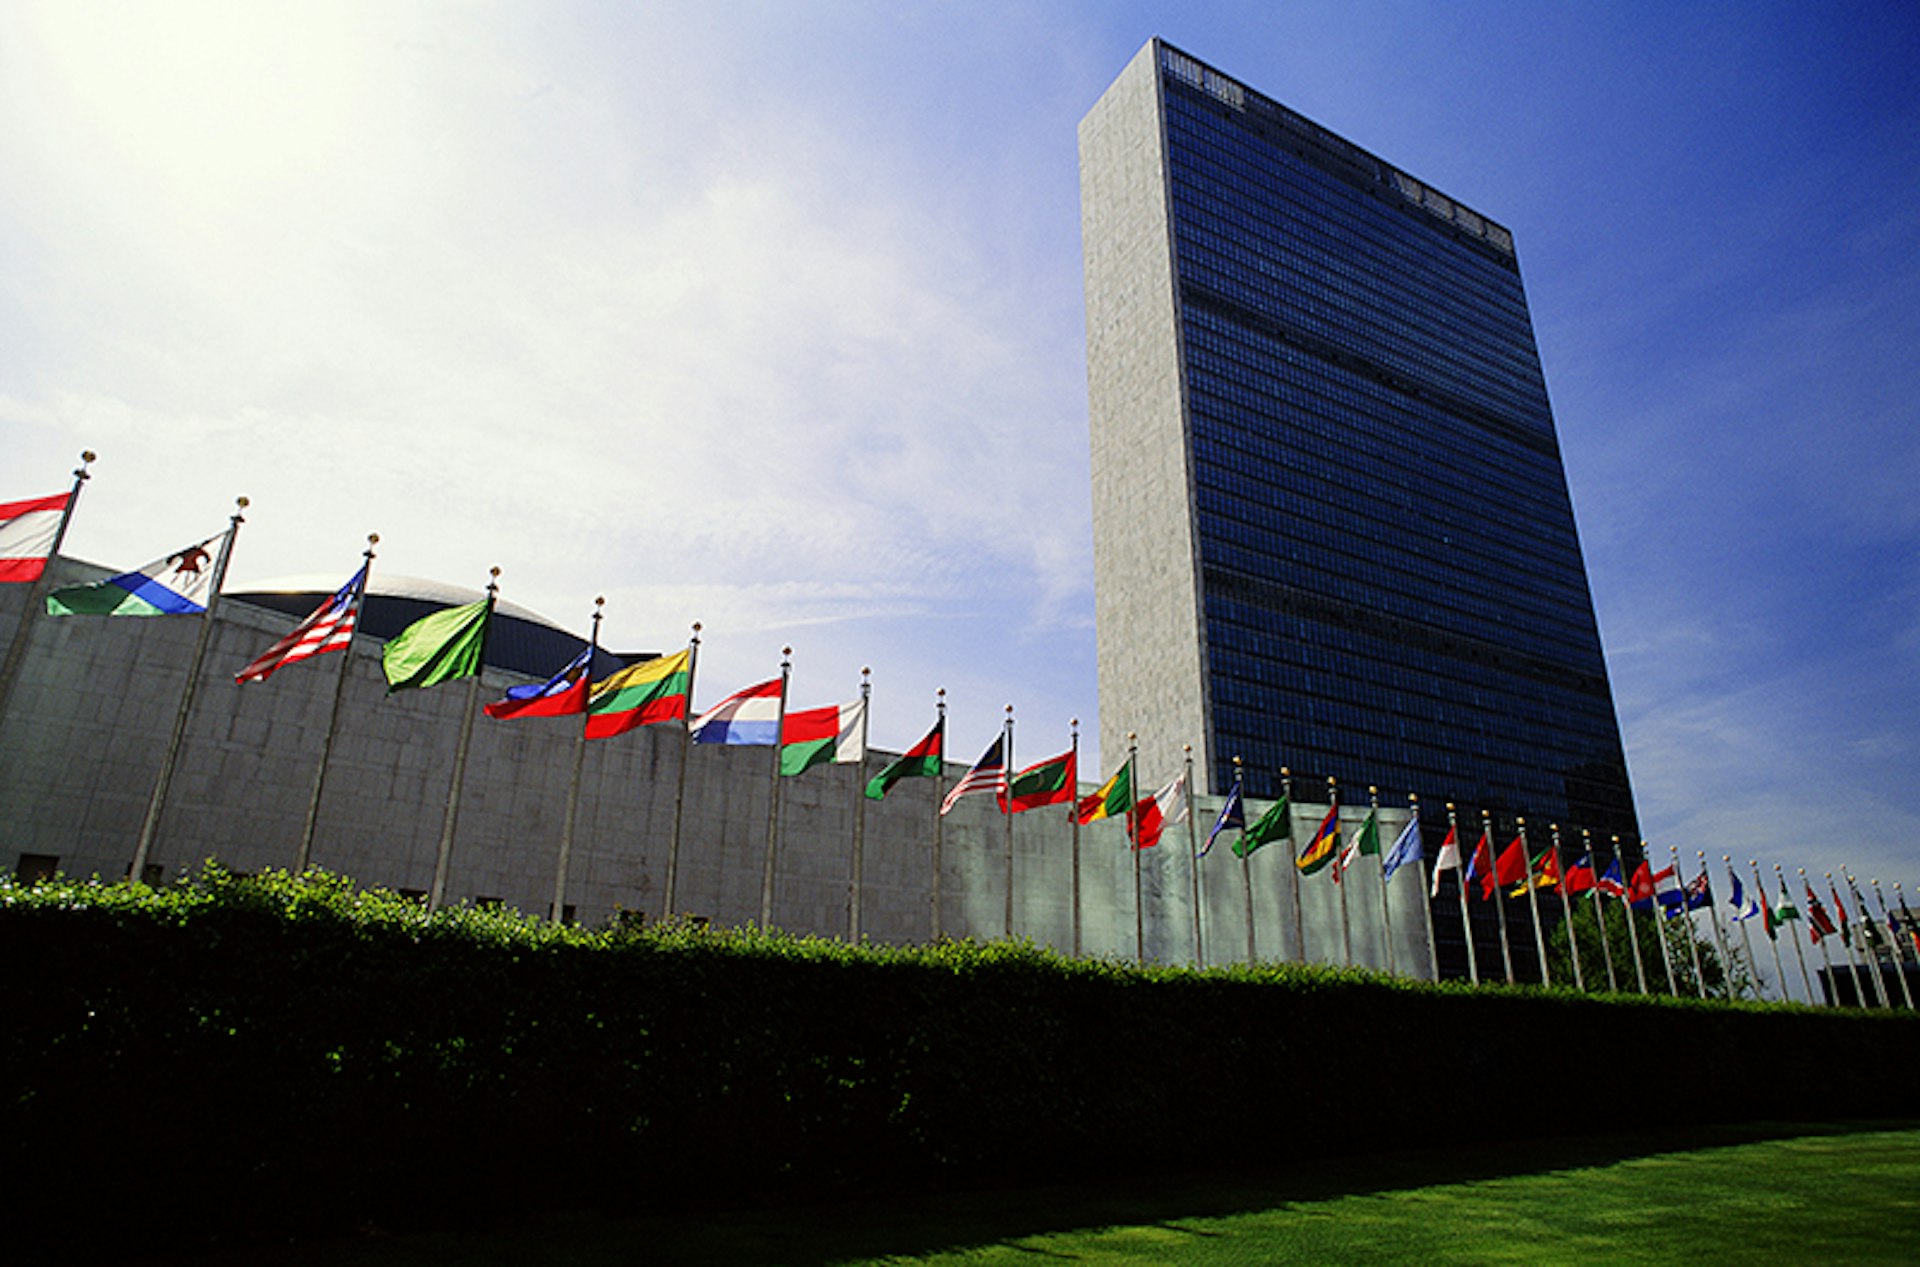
(282, 1055)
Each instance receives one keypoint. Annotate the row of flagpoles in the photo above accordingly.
(449, 644)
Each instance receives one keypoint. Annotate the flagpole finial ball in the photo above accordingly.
(1372, 790)
(493, 571)
(786, 651)
(242, 502)
(1284, 772)
(1131, 736)
(599, 600)
(865, 670)
(1520, 822)
(1413, 798)
(941, 693)
(696, 626)
(373, 538)
(1185, 747)
(1553, 827)
(1449, 807)
(88, 455)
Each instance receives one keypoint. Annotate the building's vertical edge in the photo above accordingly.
(1149, 642)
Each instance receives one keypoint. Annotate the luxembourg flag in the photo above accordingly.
(27, 530)
(750, 716)
(179, 585)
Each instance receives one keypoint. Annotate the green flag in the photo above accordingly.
(1275, 824)
(437, 648)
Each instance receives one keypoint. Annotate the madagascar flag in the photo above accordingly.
(641, 694)
(1048, 783)
(1114, 798)
(920, 761)
(819, 736)
(1324, 845)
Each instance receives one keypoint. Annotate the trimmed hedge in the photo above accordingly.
(275, 1056)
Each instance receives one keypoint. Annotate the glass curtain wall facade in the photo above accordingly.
(1377, 546)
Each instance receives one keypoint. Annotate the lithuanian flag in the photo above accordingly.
(641, 694)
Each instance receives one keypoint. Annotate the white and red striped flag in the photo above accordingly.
(989, 774)
(329, 628)
(27, 530)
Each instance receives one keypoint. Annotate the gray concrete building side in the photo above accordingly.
(84, 733)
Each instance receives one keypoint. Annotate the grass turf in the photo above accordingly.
(1728, 1196)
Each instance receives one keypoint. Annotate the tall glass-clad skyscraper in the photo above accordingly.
(1331, 525)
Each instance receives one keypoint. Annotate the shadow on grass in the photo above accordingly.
(734, 1230)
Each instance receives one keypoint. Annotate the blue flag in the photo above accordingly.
(1232, 815)
(1406, 849)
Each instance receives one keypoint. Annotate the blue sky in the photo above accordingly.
(769, 316)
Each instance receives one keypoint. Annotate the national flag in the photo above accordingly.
(1406, 848)
(823, 736)
(1154, 814)
(1480, 865)
(1275, 824)
(1233, 816)
(1819, 923)
(1049, 782)
(1610, 881)
(1781, 913)
(1448, 859)
(641, 694)
(923, 760)
(437, 648)
(562, 695)
(1580, 877)
(1545, 875)
(1744, 906)
(27, 530)
(989, 774)
(1690, 897)
(1511, 866)
(749, 716)
(1645, 883)
(1907, 922)
(1114, 798)
(1365, 842)
(1840, 908)
(179, 585)
(328, 628)
(1325, 844)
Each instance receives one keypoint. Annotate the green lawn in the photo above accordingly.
(1754, 1195)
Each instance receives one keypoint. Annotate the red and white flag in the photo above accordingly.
(27, 530)
(329, 628)
(1154, 814)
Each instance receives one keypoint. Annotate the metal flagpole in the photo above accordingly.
(1246, 868)
(1826, 955)
(1386, 921)
(1799, 952)
(1599, 913)
(1626, 906)
(1769, 925)
(150, 828)
(1426, 902)
(1293, 871)
(1006, 813)
(939, 823)
(1868, 953)
(451, 819)
(1894, 933)
(559, 911)
(1193, 860)
(857, 883)
(1659, 922)
(1499, 893)
(1133, 842)
(1719, 936)
(773, 796)
(36, 600)
(1853, 965)
(1533, 902)
(1685, 914)
(305, 852)
(1746, 937)
(1566, 909)
(1466, 915)
(1346, 929)
(1073, 828)
(680, 785)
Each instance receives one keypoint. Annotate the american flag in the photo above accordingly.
(989, 774)
(329, 628)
